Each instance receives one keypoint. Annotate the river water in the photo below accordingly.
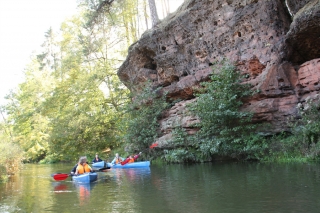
(203, 188)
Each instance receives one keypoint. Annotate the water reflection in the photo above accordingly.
(130, 174)
(205, 188)
(84, 190)
(60, 187)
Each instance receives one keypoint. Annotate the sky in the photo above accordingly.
(23, 24)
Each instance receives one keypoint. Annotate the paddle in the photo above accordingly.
(153, 145)
(63, 176)
(60, 176)
(101, 169)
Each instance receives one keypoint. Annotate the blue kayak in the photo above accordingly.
(99, 164)
(85, 178)
(140, 164)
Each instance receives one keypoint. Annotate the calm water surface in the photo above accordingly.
(205, 188)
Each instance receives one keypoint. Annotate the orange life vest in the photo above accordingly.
(131, 160)
(118, 160)
(83, 169)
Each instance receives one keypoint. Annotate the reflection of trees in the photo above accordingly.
(11, 190)
(228, 187)
(29, 190)
(173, 190)
(125, 188)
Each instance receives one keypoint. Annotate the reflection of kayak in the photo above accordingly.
(99, 164)
(131, 165)
(85, 178)
(84, 186)
(84, 190)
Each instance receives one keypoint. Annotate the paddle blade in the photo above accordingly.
(153, 145)
(104, 169)
(60, 177)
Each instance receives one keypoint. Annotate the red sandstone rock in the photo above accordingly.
(279, 55)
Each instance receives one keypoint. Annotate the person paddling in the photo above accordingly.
(83, 167)
(73, 170)
(117, 159)
(96, 159)
(131, 159)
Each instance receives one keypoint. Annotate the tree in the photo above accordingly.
(72, 101)
(145, 13)
(49, 57)
(224, 128)
(154, 13)
(29, 126)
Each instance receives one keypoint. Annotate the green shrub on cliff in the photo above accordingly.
(141, 123)
(225, 130)
(309, 124)
(302, 144)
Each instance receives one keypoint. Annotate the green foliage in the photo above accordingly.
(284, 147)
(179, 155)
(185, 148)
(4, 178)
(11, 154)
(141, 122)
(225, 129)
(55, 158)
(303, 143)
(29, 126)
(69, 104)
(10, 158)
(309, 124)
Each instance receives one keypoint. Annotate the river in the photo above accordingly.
(204, 188)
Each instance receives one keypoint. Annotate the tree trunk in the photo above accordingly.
(163, 9)
(154, 13)
(138, 20)
(145, 13)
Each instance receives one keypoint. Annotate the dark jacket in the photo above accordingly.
(73, 170)
(96, 160)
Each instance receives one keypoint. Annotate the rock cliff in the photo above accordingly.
(275, 42)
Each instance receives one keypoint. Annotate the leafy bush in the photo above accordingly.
(51, 158)
(309, 124)
(303, 142)
(141, 122)
(184, 148)
(224, 129)
(10, 159)
(179, 155)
